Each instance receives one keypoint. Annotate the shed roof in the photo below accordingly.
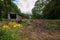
(12, 13)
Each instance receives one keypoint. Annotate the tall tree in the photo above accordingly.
(52, 10)
(38, 9)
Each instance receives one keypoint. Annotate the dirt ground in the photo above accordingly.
(38, 30)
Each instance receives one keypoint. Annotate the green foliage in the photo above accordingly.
(56, 27)
(52, 10)
(26, 23)
(7, 6)
(25, 16)
(49, 20)
(1, 32)
(38, 9)
(49, 8)
(7, 35)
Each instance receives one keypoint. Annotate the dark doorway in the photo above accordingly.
(13, 16)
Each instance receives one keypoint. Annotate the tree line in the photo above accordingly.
(47, 9)
(7, 6)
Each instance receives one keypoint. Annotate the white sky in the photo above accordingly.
(25, 5)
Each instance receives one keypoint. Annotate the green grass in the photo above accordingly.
(26, 23)
(8, 35)
(1, 22)
(50, 20)
(55, 27)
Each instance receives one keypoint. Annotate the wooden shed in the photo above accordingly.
(14, 16)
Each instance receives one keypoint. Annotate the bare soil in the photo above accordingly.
(38, 30)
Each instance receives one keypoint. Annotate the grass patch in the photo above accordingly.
(1, 22)
(56, 27)
(8, 35)
(50, 20)
(25, 23)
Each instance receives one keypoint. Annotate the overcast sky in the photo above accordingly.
(25, 5)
